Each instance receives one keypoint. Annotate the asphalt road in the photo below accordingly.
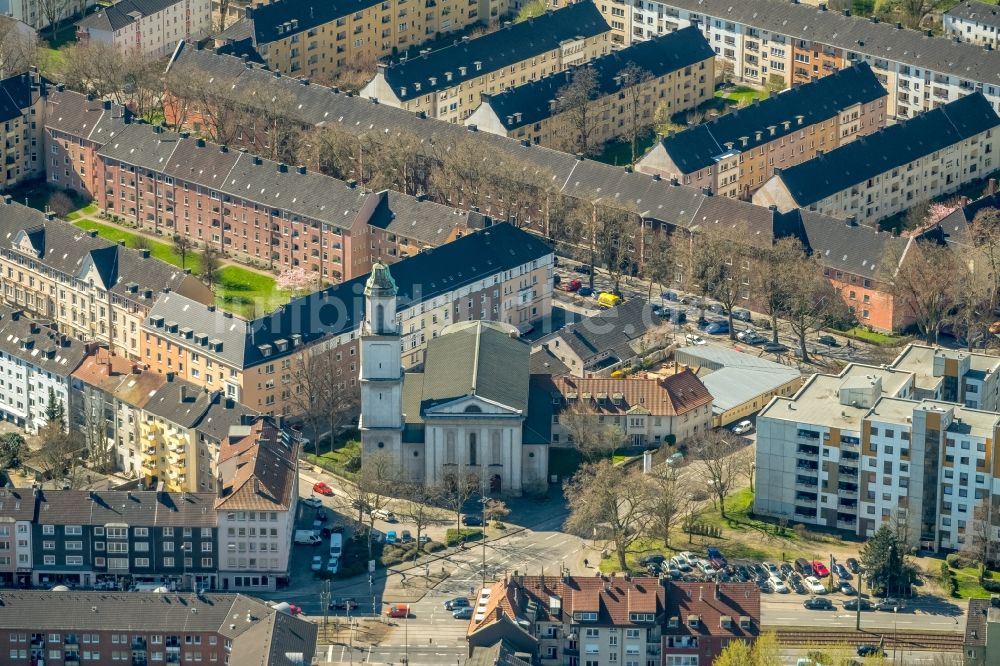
(930, 614)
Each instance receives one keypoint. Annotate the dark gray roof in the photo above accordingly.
(82, 116)
(70, 250)
(274, 21)
(857, 35)
(891, 147)
(420, 221)
(93, 507)
(977, 12)
(856, 249)
(611, 331)
(475, 358)
(38, 343)
(703, 145)
(179, 402)
(496, 50)
(544, 362)
(338, 309)
(657, 57)
(223, 414)
(278, 639)
(538, 425)
(168, 613)
(16, 94)
(122, 14)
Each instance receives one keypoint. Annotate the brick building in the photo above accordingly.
(703, 618)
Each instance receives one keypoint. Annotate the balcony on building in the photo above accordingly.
(808, 449)
(805, 498)
(809, 483)
(682, 642)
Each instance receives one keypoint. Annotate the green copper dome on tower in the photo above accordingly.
(380, 280)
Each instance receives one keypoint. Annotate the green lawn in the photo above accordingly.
(874, 337)
(158, 249)
(341, 461)
(968, 583)
(619, 153)
(742, 94)
(89, 209)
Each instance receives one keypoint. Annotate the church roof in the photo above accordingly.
(380, 279)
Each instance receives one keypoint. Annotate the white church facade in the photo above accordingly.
(463, 417)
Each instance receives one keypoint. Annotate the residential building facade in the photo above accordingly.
(909, 444)
(703, 618)
(105, 629)
(675, 73)
(975, 22)
(777, 44)
(297, 38)
(648, 412)
(91, 289)
(38, 15)
(889, 172)
(35, 366)
(256, 505)
(21, 100)
(738, 152)
(147, 29)
(500, 273)
(447, 83)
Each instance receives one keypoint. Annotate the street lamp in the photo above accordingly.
(324, 599)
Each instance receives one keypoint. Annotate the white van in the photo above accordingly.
(384, 514)
(336, 545)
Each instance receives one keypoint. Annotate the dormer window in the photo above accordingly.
(744, 621)
(585, 616)
(674, 622)
(641, 617)
(693, 621)
(726, 622)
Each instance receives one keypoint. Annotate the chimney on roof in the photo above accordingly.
(223, 148)
(718, 591)
(170, 376)
(183, 393)
(200, 143)
(352, 183)
(282, 168)
(991, 187)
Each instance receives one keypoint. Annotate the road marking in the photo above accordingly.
(552, 536)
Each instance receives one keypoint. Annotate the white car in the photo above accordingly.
(778, 585)
(742, 428)
(707, 568)
(317, 563)
(333, 565)
(679, 564)
(772, 569)
(814, 585)
(314, 502)
(693, 339)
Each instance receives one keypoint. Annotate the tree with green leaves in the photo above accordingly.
(762, 652)
(11, 448)
(884, 560)
(55, 412)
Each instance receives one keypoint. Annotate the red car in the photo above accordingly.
(323, 489)
(398, 610)
(573, 285)
(820, 569)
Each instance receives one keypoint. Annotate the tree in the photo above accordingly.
(53, 11)
(762, 652)
(370, 491)
(715, 260)
(715, 456)
(609, 499)
(496, 510)
(913, 12)
(575, 102)
(12, 446)
(593, 439)
(18, 48)
(669, 501)
(530, 10)
(60, 203)
(457, 488)
(923, 278)
(182, 245)
(55, 412)
(211, 262)
(89, 419)
(614, 229)
(984, 233)
(770, 282)
(294, 279)
(631, 80)
(59, 451)
(418, 508)
(747, 460)
(883, 558)
(980, 546)
(662, 122)
(657, 266)
(810, 302)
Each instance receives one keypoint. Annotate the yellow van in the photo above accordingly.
(608, 300)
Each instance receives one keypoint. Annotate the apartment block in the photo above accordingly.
(677, 73)
(295, 37)
(703, 618)
(258, 466)
(21, 100)
(734, 154)
(891, 171)
(147, 29)
(564, 620)
(975, 22)
(500, 274)
(109, 629)
(910, 444)
(777, 43)
(35, 366)
(91, 289)
(648, 412)
(447, 83)
(36, 13)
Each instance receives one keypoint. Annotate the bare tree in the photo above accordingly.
(770, 281)
(309, 376)
(614, 229)
(370, 491)
(18, 50)
(575, 103)
(93, 426)
(53, 11)
(747, 460)
(984, 232)
(609, 500)
(913, 12)
(182, 245)
(811, 302)
(716, 459)
(459, 487)
(632, 80)
(593, 439)
(59, 452)
(922, 279)
(418, 508)
(657, 266)
(980, 544)
(669, 501)
(211, 262)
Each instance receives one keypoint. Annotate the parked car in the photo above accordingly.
(423, 539)
(608, 300)
(585, 291)
(819, 569)
(841, 571)
(715, 554)
(321, 516)
(556, 279)
(463, 613)
(870, 651)
(406, 537)
(572, 285)
(764, 586)
(717, 328)
(742, 314)
(333, 566)
(742, 428)
(675, 315)
(344, 603)
(752, 338)
(772, 569)
(321, 488)
(670, 295)
(814, 585)
(797, 585)
(846, 588)
(693, 339)
(390, 536)
(778, 585)
(472, 519)
(853, 565)
(774, 347)
(384, 514)
(652, 559)
(818, 603)
(828, 340)
(457, 602)
(583, 269)
(398, 610)
(313, 502)
(803, 566)
(680, 564)
(717, 308)
(707, 568)
(317, 563)
(888, 604)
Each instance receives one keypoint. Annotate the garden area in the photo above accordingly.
(741, 95)
(345, 458)
(872, 337)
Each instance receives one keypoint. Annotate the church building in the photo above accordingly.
(464, 416)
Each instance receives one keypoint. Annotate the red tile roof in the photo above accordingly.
(265, 469)
(710, 602)
(667, 396)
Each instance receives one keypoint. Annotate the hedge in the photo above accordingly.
(453, 537)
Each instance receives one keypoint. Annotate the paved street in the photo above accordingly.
(933, 614)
